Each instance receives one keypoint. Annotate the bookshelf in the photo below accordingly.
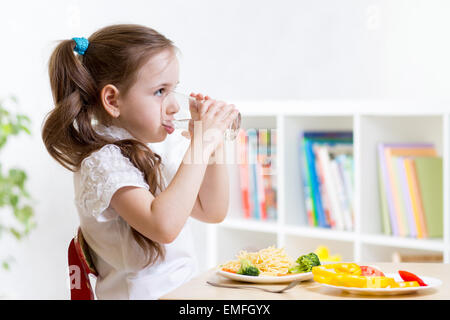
(371, 122)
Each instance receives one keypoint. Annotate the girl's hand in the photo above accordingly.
(195, 105)
(216, 117)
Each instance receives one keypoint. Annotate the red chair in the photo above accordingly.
(80, 267)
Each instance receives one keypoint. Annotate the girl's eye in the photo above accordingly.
(159, 92)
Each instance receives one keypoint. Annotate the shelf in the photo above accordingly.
(319, 233)
(371, 122)
(250, 225)
(390, 241)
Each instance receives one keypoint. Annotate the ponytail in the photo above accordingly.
(115, 54)
(67, 132)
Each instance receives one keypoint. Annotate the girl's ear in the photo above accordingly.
(110, 98)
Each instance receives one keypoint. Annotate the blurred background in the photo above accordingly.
(235, 50)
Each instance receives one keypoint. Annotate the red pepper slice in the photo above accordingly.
(371, 272)
(408, 276)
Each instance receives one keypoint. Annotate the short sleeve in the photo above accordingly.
(101, 175)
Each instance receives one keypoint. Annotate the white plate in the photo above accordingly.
(266, 279)
(431, 283)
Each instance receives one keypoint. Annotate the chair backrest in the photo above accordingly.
(80, 266)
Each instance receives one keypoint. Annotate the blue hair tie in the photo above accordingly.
(82, 45)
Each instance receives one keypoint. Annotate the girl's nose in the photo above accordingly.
(172, 105)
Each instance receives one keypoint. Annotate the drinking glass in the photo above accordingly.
(182, 117)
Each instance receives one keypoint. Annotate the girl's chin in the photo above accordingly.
(161, 137)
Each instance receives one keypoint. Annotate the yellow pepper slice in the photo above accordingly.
(349, 275)
(406, 284)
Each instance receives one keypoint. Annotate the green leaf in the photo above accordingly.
(5, 265)
(14, 200)
(24, 214)
(16, 233)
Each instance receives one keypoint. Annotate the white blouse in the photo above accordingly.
(117, 256)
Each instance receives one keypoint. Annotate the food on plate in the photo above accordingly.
(270, 261)
(371, 271)
(324, 255)
(408, 276)
(353, 275)
(247, 268)
(305, 263)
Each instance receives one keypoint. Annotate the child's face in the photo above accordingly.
(141, 113)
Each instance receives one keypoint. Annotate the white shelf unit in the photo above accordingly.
(371, 122)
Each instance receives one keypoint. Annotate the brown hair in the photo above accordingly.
(114, 56)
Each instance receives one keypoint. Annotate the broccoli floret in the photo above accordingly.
(314, 259)
(248, 269)
(305, 263)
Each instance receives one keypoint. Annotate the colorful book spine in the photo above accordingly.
(260, 172)
(323, 190)
(391, 183)
(256, 152)
(307, 186)
(382, 181)
(406, 199)
(399, 214)
(330, 184)
(344, 164)
(319, 213)
(339, 187)
(429, 174)
(271, 198)
(414, 195)
(252, 136)
(243, 165)
(323, 187)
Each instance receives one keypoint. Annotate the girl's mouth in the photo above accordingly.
(169, 127)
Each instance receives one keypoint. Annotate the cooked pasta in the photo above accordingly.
(270, 261)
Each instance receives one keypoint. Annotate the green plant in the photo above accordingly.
(16, 212)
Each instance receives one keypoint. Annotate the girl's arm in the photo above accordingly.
(213, 199)
(161, 218)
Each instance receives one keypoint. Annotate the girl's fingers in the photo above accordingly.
(205, 106)
(231, 116)
(200, 96)
(186, 134)
(219, 109)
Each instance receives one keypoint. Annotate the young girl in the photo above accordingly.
(108, 92)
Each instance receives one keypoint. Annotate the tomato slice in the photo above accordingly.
(228, 270)
(371, 272)
(408, 276)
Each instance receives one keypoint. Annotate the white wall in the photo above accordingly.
(235, 50)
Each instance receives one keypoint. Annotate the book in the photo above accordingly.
(256, 151)
(429, 174)
(346, 169)
(342, 197)
(399, 163)
(244, 172)
(416, 199)
(269, 174)
(272, 196)
(319, 217)
(318, 202)
(260, 172)
(252, 138)
(307, 186)
(397, 217)
(335, 151)
(330, 183)
(324, 194)
(382, 178)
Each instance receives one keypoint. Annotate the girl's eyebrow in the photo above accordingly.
(166, 84)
